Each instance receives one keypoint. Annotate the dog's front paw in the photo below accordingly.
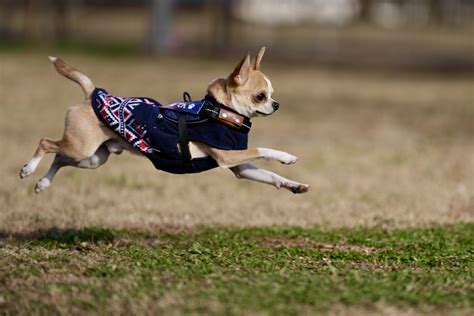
(286, 158)
(297, 188)
(280, 156)
(26, 171)
(42, 184)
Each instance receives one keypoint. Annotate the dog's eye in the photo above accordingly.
(260, 97)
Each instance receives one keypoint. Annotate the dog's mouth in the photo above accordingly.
(262, 113)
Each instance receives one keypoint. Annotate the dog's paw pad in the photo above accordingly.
(41, 185)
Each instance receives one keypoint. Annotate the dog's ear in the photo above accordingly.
(258, 59)
(240, 75)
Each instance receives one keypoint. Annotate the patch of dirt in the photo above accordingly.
(276, 242)
(361, 265)
(382, 308)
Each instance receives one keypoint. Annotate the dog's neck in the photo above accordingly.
(217, 90)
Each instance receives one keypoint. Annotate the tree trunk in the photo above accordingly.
(161, 19)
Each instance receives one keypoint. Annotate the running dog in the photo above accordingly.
(182, 137)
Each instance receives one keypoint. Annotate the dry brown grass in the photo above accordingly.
(376, 149)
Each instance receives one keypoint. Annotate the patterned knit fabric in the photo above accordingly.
(117, 114)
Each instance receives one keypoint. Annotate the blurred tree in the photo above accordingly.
(61, 19)
(6, 15)
(222, 25)
(436, 11)
(161, 20)
(44, 20)
(365, 8)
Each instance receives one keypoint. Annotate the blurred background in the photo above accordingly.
(377, 101)
(397, 34)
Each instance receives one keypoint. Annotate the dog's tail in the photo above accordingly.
(73, 74)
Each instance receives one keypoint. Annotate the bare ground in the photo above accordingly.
(376, 148)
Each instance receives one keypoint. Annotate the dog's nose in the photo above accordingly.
(275, 105)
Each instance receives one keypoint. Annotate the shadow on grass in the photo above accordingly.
(72, 236)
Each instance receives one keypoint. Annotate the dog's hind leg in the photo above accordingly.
(45, 146)
(114, 147)
(46, 180)
(97, 159)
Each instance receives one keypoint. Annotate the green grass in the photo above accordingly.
(237, 271)
(108, 49)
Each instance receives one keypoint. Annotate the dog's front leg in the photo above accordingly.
(230, 158)
(251, 172)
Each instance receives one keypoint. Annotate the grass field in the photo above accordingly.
(239, 271)
(386, 226)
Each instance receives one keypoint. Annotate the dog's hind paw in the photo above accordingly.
(26, 171)
(41, 185)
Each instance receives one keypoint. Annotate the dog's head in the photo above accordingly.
(246, 90)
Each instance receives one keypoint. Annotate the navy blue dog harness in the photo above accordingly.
(156, 130)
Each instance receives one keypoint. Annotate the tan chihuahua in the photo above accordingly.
(214, 135)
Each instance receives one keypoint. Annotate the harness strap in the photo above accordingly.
(184, 139)
(211, 108)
